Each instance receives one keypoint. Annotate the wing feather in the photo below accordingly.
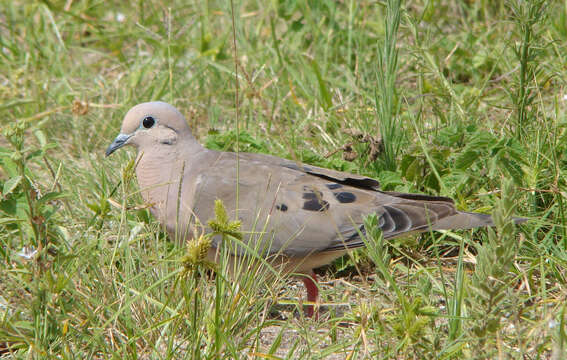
(309, 209)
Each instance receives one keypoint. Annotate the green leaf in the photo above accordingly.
(431, 181)
(482, 139)
(466, 159)
(34, 154)
(227, 142)
(516, 151)
(10, 220)
(389, 180)
(11, 184)
(326, 99)
(51, 197)
(9, 165)
(94, 207)
(413, 170)
(512, 168)
(40, 137)
(276, 343)
(5, 151)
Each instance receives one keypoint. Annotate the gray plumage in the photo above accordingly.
(307, 214)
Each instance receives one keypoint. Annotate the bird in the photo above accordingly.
(310, 215)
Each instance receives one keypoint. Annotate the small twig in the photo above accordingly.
(342, 148)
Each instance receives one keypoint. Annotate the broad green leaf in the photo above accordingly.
(482, 139)
(389, 180)
(9, 166)
(5, 151)
(40, 137)
(11, 184)
(512, 168)
(413, 170)
(466, 159)
(94, 207)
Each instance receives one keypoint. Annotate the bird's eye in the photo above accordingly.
(148, 122)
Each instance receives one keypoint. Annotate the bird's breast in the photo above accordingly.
(159, 178)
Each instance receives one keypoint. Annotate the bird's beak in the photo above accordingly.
(120, 141)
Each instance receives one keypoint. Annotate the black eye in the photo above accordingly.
(148, 122)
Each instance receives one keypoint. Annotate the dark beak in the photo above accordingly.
(120, 141)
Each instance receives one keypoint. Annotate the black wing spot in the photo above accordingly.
(333, 186)
(345, 197)
(315, 205)
(282, 207)
(309, 195)
(313, 195)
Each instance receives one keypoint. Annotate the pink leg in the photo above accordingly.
(312, 294)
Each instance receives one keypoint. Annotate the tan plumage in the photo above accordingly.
(313, 215)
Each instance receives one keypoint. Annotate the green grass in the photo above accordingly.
(457, 98)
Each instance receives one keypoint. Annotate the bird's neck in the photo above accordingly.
(160, 175)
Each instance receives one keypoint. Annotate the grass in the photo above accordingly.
(457, 98)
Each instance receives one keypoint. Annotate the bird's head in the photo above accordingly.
(151, 124)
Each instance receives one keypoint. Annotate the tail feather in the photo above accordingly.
(468, 220)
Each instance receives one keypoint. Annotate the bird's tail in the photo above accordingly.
(468, 220)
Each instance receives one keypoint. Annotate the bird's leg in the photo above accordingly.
(312, 294)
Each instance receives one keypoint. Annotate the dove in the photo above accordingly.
(302, 216)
